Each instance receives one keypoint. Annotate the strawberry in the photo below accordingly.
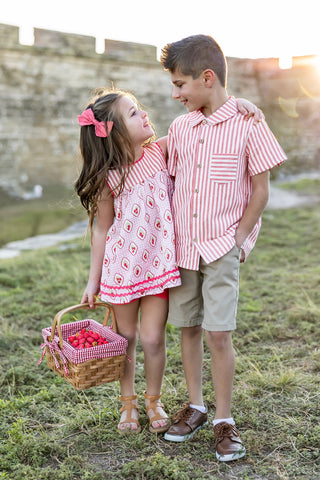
(86, 338)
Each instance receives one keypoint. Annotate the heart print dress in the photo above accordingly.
(139, 255)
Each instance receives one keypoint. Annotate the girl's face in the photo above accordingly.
(136, 121)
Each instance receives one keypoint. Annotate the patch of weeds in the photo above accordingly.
(159, 467)
(50, 430)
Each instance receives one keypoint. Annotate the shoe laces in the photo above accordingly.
(224, 429)
(183, 414)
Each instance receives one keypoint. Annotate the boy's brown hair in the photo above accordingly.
(193, 55)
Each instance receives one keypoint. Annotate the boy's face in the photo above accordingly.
(189, 91)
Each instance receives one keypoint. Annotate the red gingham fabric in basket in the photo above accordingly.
(117, 346)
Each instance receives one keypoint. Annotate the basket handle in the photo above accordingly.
(59, 315)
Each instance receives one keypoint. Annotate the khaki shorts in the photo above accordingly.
(208, 296)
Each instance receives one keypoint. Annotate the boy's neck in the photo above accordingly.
(217, 98)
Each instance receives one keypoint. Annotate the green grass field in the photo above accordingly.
(49, 430)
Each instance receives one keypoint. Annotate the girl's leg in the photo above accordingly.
(154, 311)
(128, 326)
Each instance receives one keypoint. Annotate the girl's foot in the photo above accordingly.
(158, 419)
(129, 420)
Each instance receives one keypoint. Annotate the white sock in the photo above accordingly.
(219, 420)
(201, 408)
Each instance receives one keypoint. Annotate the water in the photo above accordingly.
(279, 199)
(13, 249)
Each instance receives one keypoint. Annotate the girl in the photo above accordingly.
(126, 189)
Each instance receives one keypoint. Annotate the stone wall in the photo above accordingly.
(45, 86)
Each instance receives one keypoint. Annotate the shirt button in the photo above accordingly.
(204, 122)
(195, 215)
(201, 140)
(196, 190)
(195, 239)
(199, 165)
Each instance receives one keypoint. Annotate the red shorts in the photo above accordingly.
(164, 294)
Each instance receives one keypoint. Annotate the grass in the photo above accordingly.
(50, 430)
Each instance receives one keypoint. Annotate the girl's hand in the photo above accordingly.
(248, 109)
(89, 295)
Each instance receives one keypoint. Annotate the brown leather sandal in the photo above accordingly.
(153, 405)
(128, 408)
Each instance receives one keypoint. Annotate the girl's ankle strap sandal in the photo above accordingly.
(153, 405)
(128, 407)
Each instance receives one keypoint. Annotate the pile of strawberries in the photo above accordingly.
(87, 339)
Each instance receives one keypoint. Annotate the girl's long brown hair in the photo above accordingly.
(99, 154)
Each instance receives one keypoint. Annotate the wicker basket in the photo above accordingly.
(89, 367)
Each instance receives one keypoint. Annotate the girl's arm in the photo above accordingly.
(255, 207)
(248, 109)
(103, 221)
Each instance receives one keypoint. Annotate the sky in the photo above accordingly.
(243, 28)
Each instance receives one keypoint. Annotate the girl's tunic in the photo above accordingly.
(140, 245)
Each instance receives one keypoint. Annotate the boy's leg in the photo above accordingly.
(220, 294)
(185, 311)
(192, 357)
(222, 367)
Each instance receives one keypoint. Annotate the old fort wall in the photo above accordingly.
(43, 87)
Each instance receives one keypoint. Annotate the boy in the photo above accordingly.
(221, 164)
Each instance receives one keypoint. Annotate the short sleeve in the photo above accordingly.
(263, 150)
(172, 153)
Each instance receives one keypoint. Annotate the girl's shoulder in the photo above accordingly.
(158, 147)
(162, 142)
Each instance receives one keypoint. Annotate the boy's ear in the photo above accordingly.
(208, 77)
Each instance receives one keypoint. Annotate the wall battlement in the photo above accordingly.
(78, 45)
(44, 86)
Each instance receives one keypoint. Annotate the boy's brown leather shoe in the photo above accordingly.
(228, 444)
(185, 423)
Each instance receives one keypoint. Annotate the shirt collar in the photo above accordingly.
(227, 110)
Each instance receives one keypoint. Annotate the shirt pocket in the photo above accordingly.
(223, 167)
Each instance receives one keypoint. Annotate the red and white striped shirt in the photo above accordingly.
(212, 159)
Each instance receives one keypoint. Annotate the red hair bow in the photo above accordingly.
(88, 118)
